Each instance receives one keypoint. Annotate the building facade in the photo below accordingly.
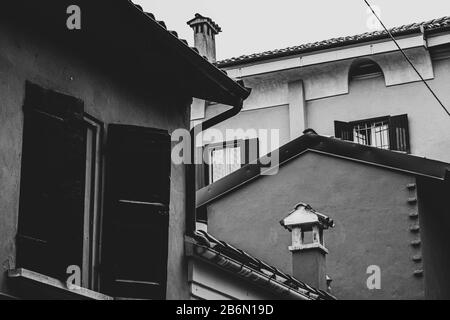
(357, 88)
(389, 210)
(91, 205)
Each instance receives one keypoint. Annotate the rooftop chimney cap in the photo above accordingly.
(304, 215)
(199, 19)
(309, 131)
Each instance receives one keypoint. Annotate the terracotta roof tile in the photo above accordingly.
(244, 258)
(428, 26)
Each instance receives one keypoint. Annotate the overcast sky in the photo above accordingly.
(251, 26)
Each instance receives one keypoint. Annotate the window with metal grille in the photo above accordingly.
(390, 132)
(375, 134)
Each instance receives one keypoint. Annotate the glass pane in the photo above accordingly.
(375, 134)
(224, 161)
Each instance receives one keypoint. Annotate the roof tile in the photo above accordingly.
(252, 262)
(432, 25)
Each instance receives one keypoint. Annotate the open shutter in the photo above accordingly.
(135, 241)
(399, 133)
(50, 235)
(343, 130)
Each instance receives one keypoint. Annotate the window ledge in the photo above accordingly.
(54, 287)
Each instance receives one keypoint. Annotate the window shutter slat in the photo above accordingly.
(399, 133)
(136, 218)
(343, 130)
(52, 183)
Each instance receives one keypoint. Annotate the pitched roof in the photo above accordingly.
(241, 92)
(225, 255)
(435, 25)
(387, 159)
(128, 42)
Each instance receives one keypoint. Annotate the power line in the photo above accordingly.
(407, 59)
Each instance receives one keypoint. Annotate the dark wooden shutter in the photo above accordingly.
(135, 242)
(51, 213)
(343, 130)
(399, 133)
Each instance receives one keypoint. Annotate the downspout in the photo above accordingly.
(191, 167)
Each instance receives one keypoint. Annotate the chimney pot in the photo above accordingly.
(308, 253)
(205, 30)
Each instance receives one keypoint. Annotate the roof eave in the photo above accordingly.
(279, 55)
(235, 92)
(282, 54)
(337, 148)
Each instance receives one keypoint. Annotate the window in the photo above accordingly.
(375, 134)
(226, 157)
(61, 199)
(391, 133)
(364, 69)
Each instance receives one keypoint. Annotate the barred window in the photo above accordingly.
(375, 134)
(390, 132)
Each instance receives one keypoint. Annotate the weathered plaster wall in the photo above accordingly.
(370, 209)
(22, 59)
(434, 216)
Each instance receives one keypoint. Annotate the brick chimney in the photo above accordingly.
(205, 31)
(308, 247)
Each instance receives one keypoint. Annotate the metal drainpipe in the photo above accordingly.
(190, 168)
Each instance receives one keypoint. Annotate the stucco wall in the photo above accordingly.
(370, 209)
(267, 119)
(371, 98)
(22, 59)
(434, 215)
(328, 96)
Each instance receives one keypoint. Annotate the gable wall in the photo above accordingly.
(370, 208)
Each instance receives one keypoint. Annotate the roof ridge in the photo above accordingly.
(433, 24)
(388, 159)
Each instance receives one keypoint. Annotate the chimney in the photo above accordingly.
(205, 31)
(308, 247)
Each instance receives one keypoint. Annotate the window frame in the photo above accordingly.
(245, 157)
(369, 122)
(90, 187)
(365, 69)
(398, 131)
(38, 101)
(93, 205)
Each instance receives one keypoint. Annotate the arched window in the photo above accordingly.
(364, 69)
